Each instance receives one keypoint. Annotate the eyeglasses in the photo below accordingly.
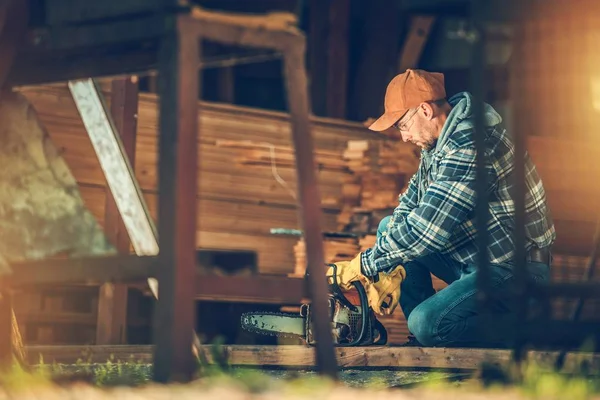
(401, 125)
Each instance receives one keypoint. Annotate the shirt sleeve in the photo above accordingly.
(427, 227)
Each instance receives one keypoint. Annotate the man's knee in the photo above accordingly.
(422, 323)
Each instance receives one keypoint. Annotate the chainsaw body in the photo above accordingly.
(351, 324)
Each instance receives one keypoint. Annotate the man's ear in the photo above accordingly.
(426, 111)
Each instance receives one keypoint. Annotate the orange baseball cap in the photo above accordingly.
(407, 90)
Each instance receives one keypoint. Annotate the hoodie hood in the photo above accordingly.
(461, 117)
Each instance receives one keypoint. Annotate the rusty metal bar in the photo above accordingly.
(477, 40)
(112, 300)
(519, 192)
(178, 88)
(310, 204)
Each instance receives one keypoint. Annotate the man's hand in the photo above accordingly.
(345, 273)
(386, 290)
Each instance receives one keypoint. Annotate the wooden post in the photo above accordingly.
(309, 197)
(317, 55)
(5, 328)
(415, 41)
(178, 88)
(112, 302)
(337, 64)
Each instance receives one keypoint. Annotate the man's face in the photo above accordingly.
(416, 128)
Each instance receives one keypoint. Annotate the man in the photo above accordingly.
(433, 230)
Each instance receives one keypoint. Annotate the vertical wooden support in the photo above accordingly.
(383, 28)
(13, 25)
(310, 204)
(337, 62)
(317, 55)
(178, 85)
(112, 303)
(5, 329)
(226, 84)
(420, 27)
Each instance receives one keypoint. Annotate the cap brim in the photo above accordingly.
(387, 120)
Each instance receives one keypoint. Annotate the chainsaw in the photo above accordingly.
(351, 324)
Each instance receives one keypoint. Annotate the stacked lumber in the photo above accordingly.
(267, 154)
(334, 250)
(379, 173)
(366, 242)
(237, 206)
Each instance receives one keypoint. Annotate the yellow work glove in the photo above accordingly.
(386, 290)
(346, 273)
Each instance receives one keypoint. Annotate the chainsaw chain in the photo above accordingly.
(254, 329)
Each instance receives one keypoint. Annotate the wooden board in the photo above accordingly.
(299, 356)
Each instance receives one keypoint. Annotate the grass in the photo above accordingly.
(531, 380)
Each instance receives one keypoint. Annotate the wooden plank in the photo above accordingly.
(6, 322)
(112, 301)
(117, 170)
(83, 270)
(68, 11)
(420, 26)
(255, 289)
(298, 356)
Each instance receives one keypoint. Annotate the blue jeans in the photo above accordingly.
(451, 317)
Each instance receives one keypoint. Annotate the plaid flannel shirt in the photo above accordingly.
(437, 211)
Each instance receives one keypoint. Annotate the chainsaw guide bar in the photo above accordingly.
(275, 324)
(351, 325)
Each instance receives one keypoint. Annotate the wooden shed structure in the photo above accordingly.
(246, 172)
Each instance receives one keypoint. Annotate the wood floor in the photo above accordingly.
(297, 356)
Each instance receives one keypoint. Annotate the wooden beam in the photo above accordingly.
(298, 356)
(317, 54)
(82, 270)
(112, 302)
(226, 85)
(383, 27)
(338, 61)
(13, 26)
(420, 26)
(277, 31)
(178, 88)
(117, 168)
(6, 322)
(255, 289)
